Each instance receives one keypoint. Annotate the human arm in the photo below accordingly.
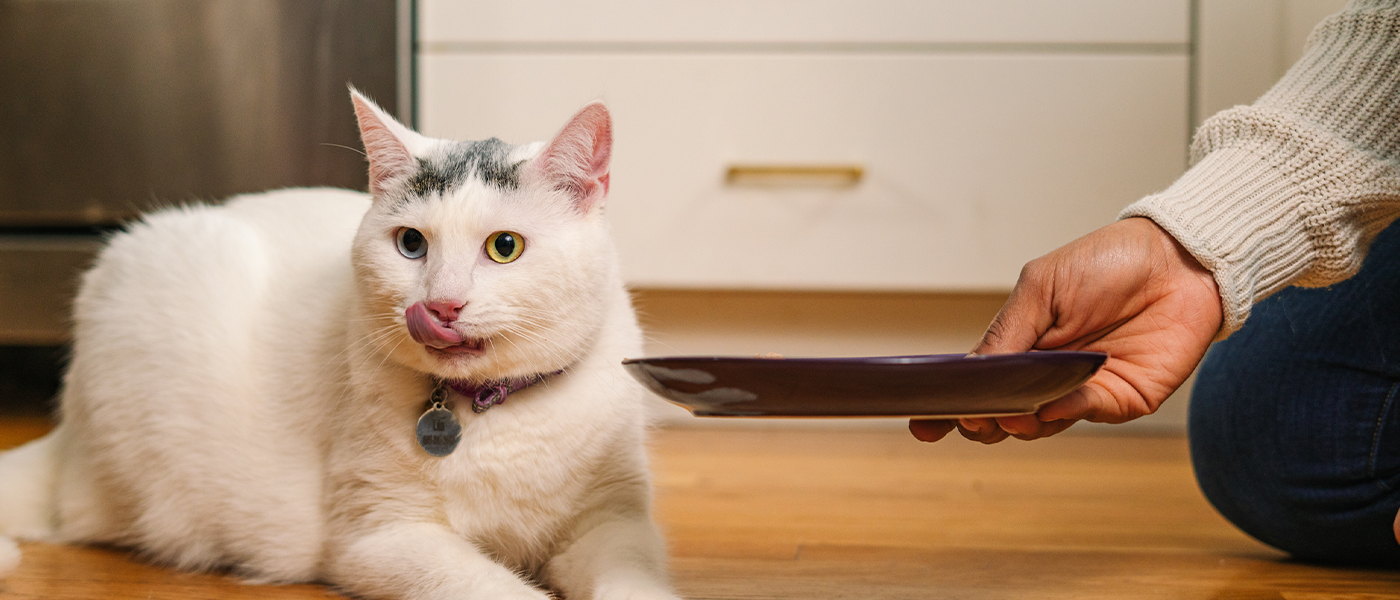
(1127, 289)
(1292, 189)
(1287, 191)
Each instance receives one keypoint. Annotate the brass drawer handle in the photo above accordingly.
(794, 175)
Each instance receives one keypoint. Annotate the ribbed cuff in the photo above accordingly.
(1272, 202)
(1291, 190)
(1233, 214)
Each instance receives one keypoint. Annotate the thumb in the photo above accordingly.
(1018, 325)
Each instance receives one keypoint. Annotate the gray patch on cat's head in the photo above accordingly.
(489, 160)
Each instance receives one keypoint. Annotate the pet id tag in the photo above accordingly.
(438, 429)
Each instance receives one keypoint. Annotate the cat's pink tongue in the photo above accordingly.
(427, 330)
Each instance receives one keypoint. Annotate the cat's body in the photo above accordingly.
(244, 393)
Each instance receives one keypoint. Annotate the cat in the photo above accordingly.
(248, 382)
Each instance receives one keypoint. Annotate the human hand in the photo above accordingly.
(1128, 289)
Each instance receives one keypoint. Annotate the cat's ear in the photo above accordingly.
(576, 160)
(387, 142)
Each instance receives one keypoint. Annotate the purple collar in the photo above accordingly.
(491, 393)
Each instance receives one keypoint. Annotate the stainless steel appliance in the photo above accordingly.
(111, 107)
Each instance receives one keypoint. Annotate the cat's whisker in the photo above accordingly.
(379, 333)
(661, 343)
(385, 359)
(355, 150)
(378, 344)
(544, 316)
(532, 335)
(374, 341)
(388, 317)
(512, 332)
(374, 338)
(512, 343)
(541, 339)
(556, 350)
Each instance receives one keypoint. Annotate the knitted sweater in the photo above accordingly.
(1292, 189)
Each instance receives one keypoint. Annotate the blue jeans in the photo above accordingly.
(1295, 419)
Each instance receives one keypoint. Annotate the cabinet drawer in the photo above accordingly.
(805, 21)
(972, 164)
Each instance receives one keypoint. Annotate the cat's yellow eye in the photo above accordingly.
(505, 246)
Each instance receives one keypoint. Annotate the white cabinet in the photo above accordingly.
(986, 133)
(471, 22)
(1244, 46)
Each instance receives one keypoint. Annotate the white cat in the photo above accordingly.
(247, 383)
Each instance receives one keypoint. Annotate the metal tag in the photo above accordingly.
(439, 431)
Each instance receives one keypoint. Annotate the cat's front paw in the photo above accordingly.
(634, 590)
(515, 594)
(9, 556)
(641, 595)
(490, 587)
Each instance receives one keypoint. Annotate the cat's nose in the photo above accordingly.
(445, 310)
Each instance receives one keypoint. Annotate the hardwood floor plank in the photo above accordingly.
(865, 487)
(787, 514)
(67, 572)
(1016, 574)
(18, 430)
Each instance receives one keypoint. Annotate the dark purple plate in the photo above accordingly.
(935, 385)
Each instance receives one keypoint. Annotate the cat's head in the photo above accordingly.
(485, 260)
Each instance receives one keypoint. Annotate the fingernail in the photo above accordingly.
(1012, 426)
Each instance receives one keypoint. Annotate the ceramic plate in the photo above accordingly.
(936, 385)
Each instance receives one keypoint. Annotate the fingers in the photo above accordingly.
(1022, 427)
(986, 430)
(1030, 427)
(1397, 527)
(983, 430)
(1082, 403)
(1128, 289)
(1108, 398)
(930, 430)
(1022, 320)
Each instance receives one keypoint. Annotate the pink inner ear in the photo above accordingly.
(577, 159)
(388, 156)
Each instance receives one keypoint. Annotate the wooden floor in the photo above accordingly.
(758, 514)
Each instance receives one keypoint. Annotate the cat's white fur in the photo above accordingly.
(243, 394)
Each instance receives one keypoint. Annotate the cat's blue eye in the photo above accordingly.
(504, 246)
(412, 244)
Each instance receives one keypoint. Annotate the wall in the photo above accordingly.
(1244, 46)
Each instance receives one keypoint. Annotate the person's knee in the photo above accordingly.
(1283, 488)
(1318, 523)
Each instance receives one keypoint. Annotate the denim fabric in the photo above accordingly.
(1295, 419)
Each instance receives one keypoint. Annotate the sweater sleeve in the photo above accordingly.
(1292, 189)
